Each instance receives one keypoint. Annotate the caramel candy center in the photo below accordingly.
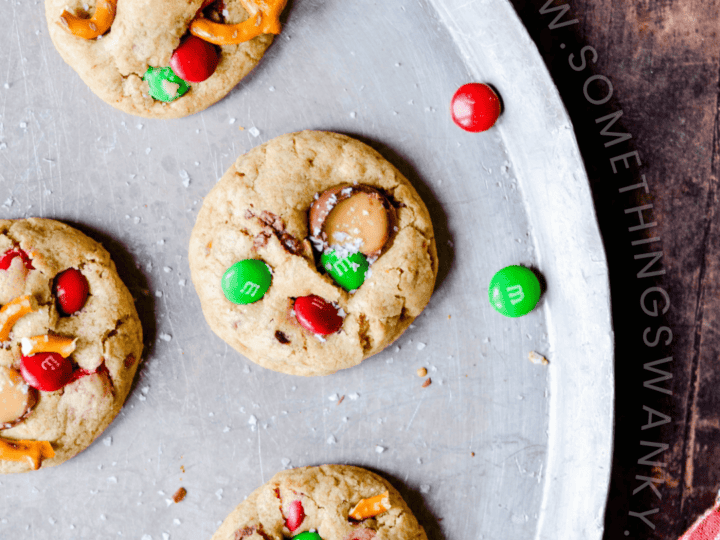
(359, 219)
(15, 396)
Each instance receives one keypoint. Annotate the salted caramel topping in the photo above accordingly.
(358, 218)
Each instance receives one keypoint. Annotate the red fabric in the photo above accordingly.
(706, 527)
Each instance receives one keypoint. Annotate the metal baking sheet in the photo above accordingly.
(496, 446)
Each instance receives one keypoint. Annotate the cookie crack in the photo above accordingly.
(366, 340)
(275, 225)
(114, 331)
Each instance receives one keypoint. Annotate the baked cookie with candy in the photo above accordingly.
(162, 58)
(330, 502)
(312, 253)
(70, 342)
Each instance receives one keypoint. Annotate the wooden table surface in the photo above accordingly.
(641, 83)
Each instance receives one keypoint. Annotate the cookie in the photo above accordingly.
(281, 231)
(330, 502)
(124, 49)
(70, 343)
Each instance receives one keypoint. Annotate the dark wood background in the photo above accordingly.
(661, 58)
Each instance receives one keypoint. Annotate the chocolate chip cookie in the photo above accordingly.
(70, 343)
(312, 253)
(162, 58)
(330, 502)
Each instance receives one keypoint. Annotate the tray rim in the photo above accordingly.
(551, 170)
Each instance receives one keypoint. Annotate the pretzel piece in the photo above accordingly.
(32, 452)
(95, 26)
(62, 345)
(266, 20)
(371, 507)
(14, 310)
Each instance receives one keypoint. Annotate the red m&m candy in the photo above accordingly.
(475, 107)
(46, 371)
(71, 289)
(194, 60)
(361, 534)
(296, 515)
(8, 256)
(317, 315)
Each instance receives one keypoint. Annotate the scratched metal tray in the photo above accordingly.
(496, 446)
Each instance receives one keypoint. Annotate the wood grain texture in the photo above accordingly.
(661, 58)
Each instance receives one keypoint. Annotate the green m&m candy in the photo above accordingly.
(307, 535)
(246, 281)
(514, 291)
(164, 84)
(348, 272)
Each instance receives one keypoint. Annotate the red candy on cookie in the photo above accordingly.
(317, 315)
(361, 534)
(71, 289)
(46, 371)
(475, 107)
(296, 515)
(8, 256)
(194, 60)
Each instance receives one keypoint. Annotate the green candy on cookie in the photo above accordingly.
(164, 84)
(348, 272)
(246, 281)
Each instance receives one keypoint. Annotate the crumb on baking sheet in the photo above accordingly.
(421, 372)
(537, 358)
(427, 382)
(179, 495)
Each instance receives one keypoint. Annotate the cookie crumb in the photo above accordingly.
(341, 399)
(427, 382)
(421, 372)
(536, 358)
(179, 495)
